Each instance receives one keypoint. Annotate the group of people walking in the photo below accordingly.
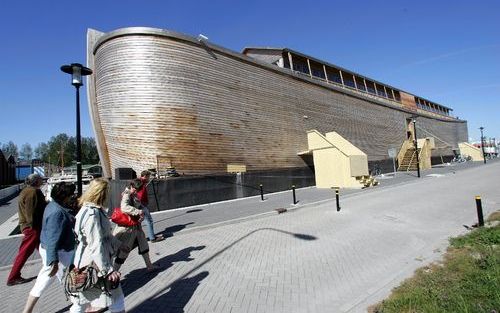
(70, 236)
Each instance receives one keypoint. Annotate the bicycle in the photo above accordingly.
(461, 159)
(376, 171)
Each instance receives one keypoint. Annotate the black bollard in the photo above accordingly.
(261, 193)
(293, 191)
(154, 192)
(337, 198)
(479, 211)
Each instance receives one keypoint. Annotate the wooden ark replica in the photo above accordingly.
(160, 96)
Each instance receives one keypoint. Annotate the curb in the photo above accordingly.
(8, 195)
(290, 208)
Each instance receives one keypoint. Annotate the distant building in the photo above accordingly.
(7, 170)
(490, 146)
(23, 169)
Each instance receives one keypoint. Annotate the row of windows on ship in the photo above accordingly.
(356, 82)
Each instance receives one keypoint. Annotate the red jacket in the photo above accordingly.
(142, 193)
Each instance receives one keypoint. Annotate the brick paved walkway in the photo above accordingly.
(311, 259)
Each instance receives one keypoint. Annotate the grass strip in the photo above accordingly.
(467, 280)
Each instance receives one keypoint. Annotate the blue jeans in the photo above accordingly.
(149, 223)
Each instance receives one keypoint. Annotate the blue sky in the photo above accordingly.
(445, 51)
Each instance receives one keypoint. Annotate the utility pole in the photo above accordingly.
(414, 120)
(482, 143)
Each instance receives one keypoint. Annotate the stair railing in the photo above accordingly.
(411, 160)
(400, 159)
(402, 151)
(330, 143)
(447, 144)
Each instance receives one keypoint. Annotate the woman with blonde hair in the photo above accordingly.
(97, 245)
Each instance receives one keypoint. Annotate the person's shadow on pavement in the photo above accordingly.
(169, 231)
(139, 277)
(175, 299)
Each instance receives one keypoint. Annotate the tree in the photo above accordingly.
(26, 152)
(89, 151)
(10, 148)
(42, 152)
(61, 150)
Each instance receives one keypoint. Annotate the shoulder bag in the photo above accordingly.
(78, 279)
(123, 219)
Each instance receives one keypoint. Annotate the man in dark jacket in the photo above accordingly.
(31, 206)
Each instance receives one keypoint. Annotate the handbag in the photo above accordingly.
(123, 219)
(78, 279)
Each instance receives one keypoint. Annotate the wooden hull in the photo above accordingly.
(203, 107)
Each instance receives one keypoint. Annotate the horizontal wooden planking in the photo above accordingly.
(266, 56)
(161, 96)
(408, 100)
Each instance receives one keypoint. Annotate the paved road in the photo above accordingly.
(208, 214)
(170, 222)
(310, 259)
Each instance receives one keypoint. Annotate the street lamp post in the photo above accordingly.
(482, 144)
(414, 120)
(77, 71)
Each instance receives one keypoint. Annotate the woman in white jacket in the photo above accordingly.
(97, 245)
